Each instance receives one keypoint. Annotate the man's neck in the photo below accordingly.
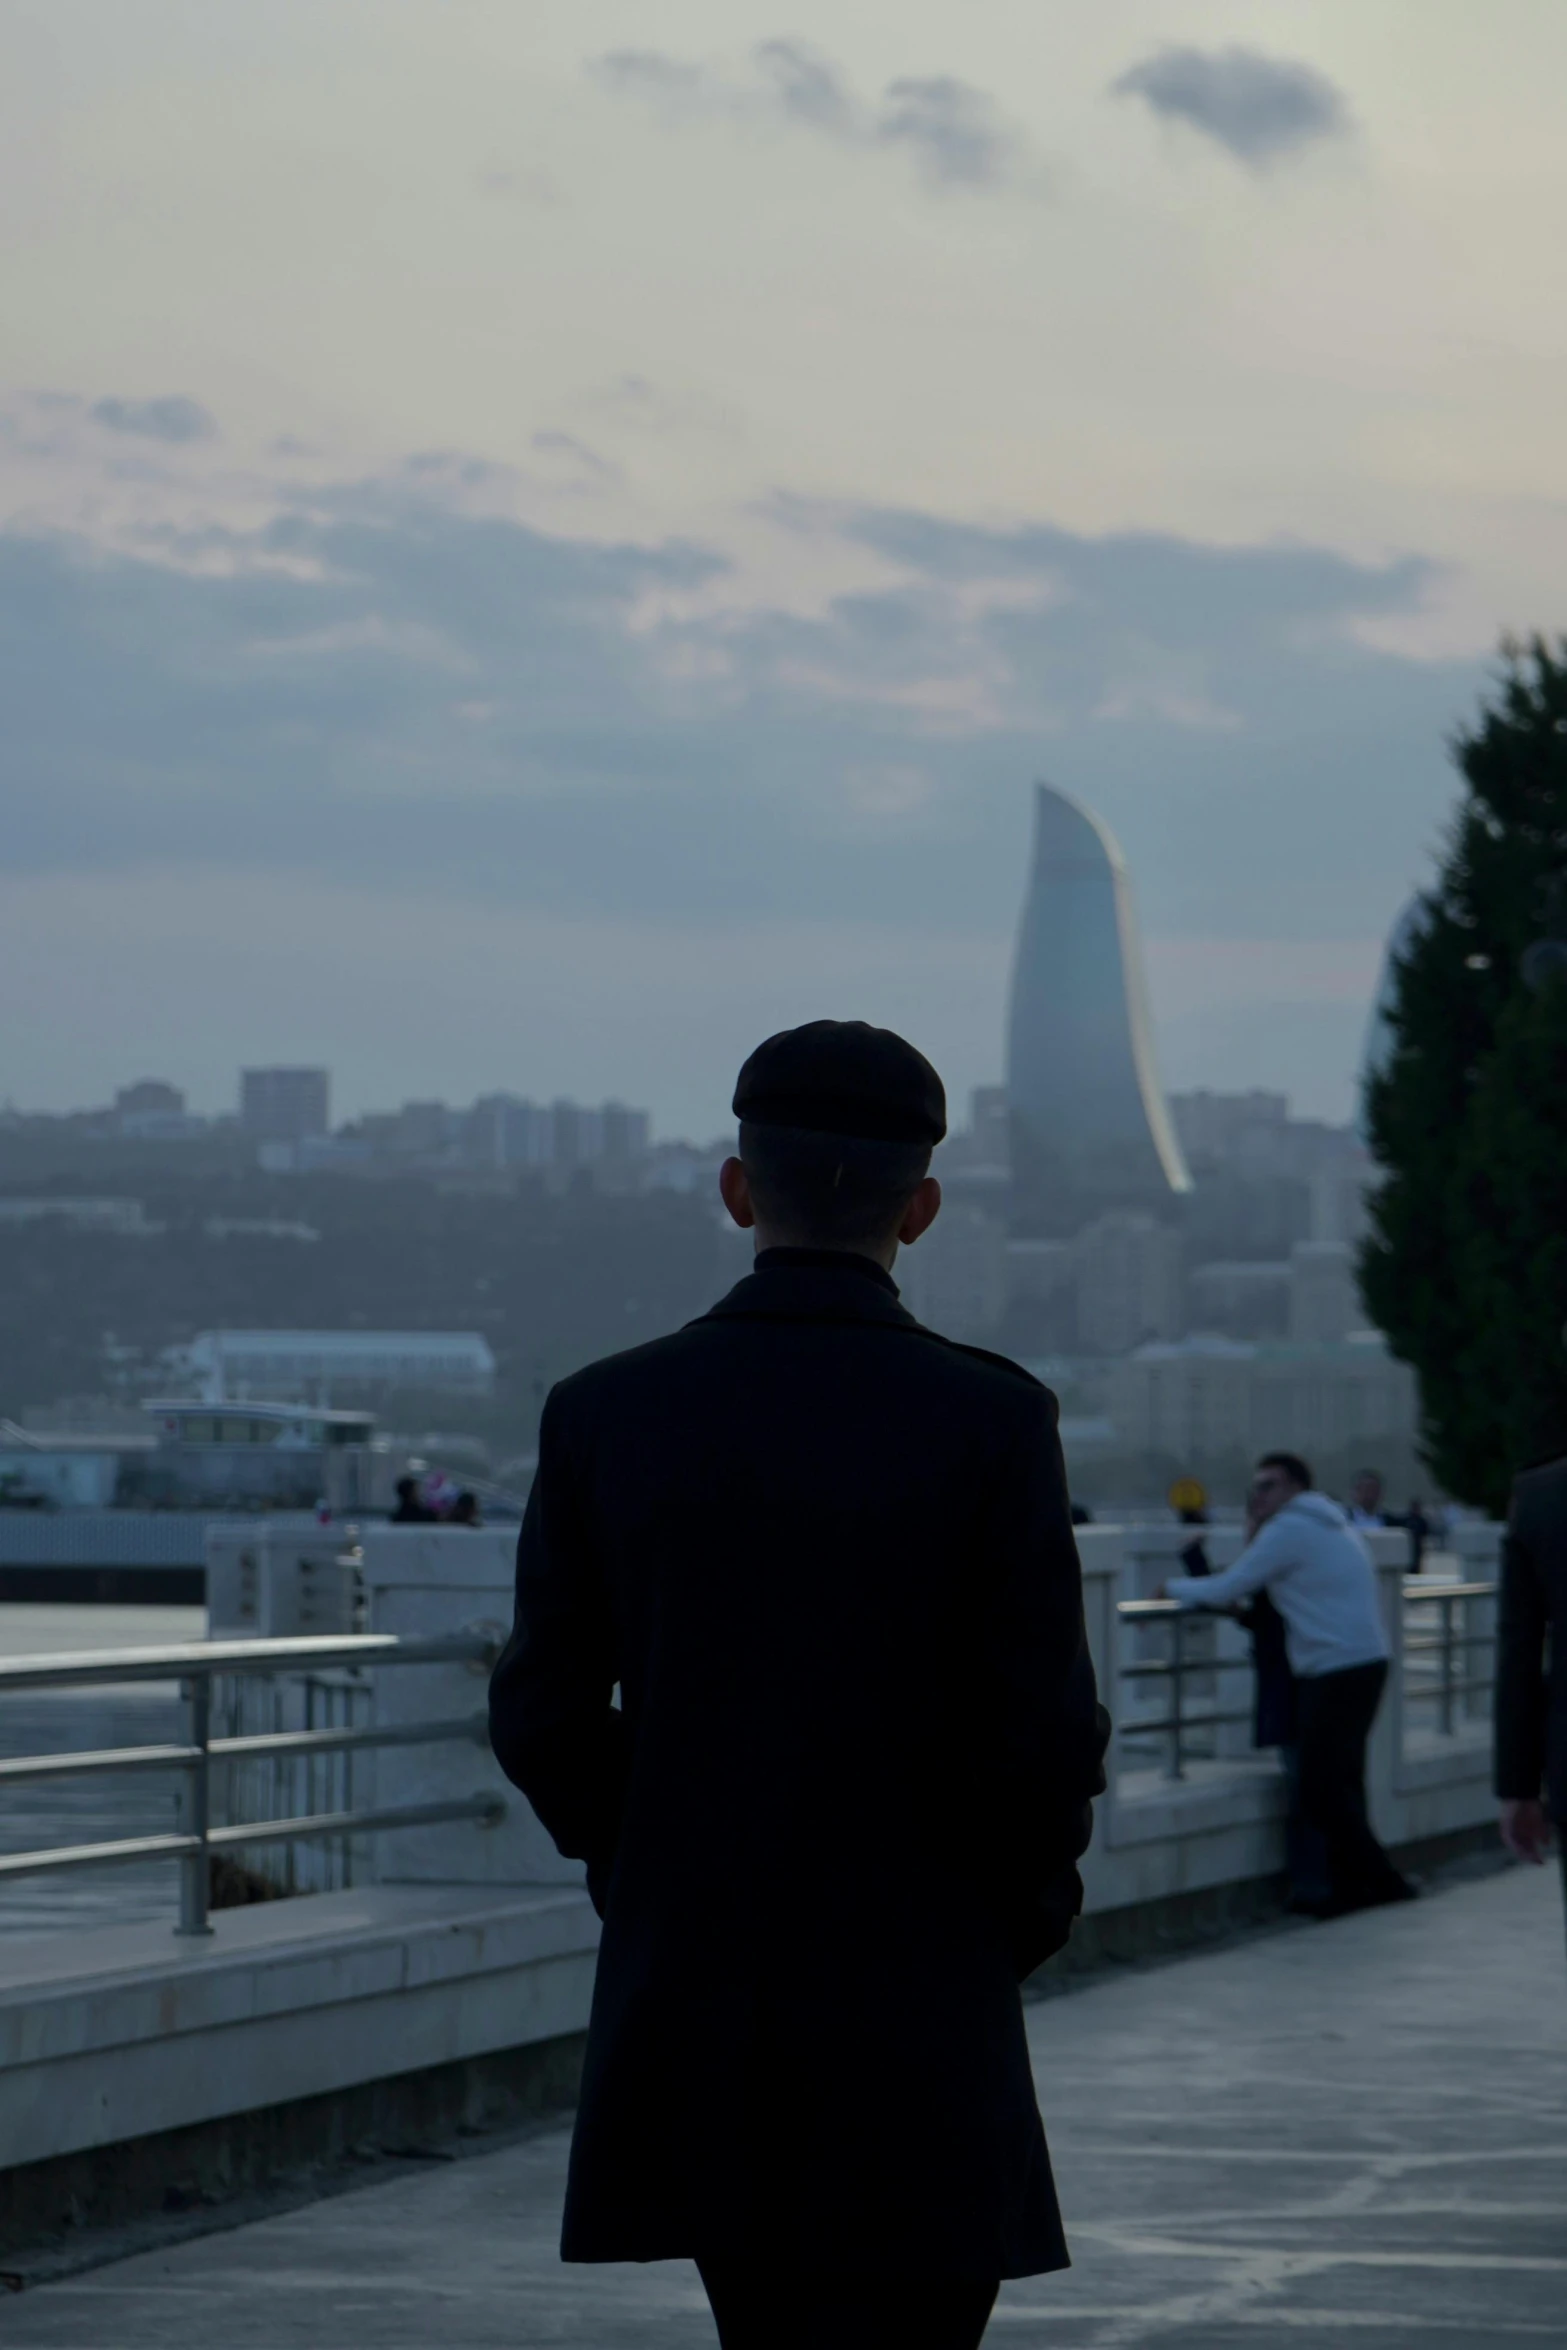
(769, 1243)
(781, 1255)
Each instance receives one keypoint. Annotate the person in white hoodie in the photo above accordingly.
(1303, 1552)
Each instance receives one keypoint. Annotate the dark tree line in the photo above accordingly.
(1466, 1269)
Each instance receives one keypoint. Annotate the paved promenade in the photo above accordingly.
(1332, 2134)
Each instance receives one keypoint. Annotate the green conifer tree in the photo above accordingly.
(1466, 1269)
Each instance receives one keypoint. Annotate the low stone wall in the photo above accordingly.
(132, 2039)
(135, 2065)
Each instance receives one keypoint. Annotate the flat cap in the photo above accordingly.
(843, 1077)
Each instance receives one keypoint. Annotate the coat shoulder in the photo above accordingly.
(1541, 1489)
(1001, 1382)
(633, 1368)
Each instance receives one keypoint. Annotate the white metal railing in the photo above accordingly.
(1437, 1668)
(196, 1665)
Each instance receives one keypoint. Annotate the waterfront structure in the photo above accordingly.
(1090, 1127)
(310, 1365)
(55, 1469)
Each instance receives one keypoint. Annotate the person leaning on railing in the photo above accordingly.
(1316, 1569)
(1531, 1698)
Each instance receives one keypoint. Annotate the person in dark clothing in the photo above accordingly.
(411, 1509)
(465, 1510)
(836, 1818)
(1419, 1528)
(1531, 1694)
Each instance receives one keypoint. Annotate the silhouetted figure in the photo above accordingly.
(1365, 1500)
(1531, 1694)
(411, 1509)
(837, 1816)
(1419, 1526)
(465, 1510)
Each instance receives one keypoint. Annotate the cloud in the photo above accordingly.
(956, 135)
(1260, 108)
(590, 470)
(171, 418)
(503, 726)
(532, 188)
(651, 74)
(381, 679)
(808, 87)
(955, 132)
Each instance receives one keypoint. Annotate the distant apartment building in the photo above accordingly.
(284, 1105)
(1215, 1129)
(313, 1366)
(153, 1111)
(1200, 1397)
(1240, 1297)
(1128, 1280)
(501, 1130)
(1040, 1272)
(955, 1279)
(1324, 1297)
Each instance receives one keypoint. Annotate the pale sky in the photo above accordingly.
(539, 543)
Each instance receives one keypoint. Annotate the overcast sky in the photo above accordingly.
(538, 544)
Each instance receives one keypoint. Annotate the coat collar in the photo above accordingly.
(814, 1285)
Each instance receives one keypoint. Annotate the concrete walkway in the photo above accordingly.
(1354, 2132)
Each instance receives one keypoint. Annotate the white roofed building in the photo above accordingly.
(311, 1366)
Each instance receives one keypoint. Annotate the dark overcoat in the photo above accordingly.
(827, 1556)
(1531, 1694)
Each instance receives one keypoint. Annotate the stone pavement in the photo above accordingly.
(1354, 2132)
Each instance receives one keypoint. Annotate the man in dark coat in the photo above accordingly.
(1531, 1698)
(835, 1820)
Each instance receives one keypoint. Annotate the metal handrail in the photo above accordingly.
(1417, 1590)
(183, 1659)
(196, 1664)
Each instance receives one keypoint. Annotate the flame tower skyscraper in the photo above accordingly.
(1090, 1127)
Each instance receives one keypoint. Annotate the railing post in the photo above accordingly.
(194, 1866)
(1177, 1769)
(1447, 1665)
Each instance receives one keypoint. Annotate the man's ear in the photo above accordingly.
(921, 1212)
(734, 1189)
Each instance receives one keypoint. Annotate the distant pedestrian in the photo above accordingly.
(1316, 1569)
(1365, 1500)
(1531, 1694)
(465, 1511)
(1419, 1527)
(410, 1510)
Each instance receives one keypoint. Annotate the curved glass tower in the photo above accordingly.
(1090, 1129)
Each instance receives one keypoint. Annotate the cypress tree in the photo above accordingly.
(1466, 1266)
